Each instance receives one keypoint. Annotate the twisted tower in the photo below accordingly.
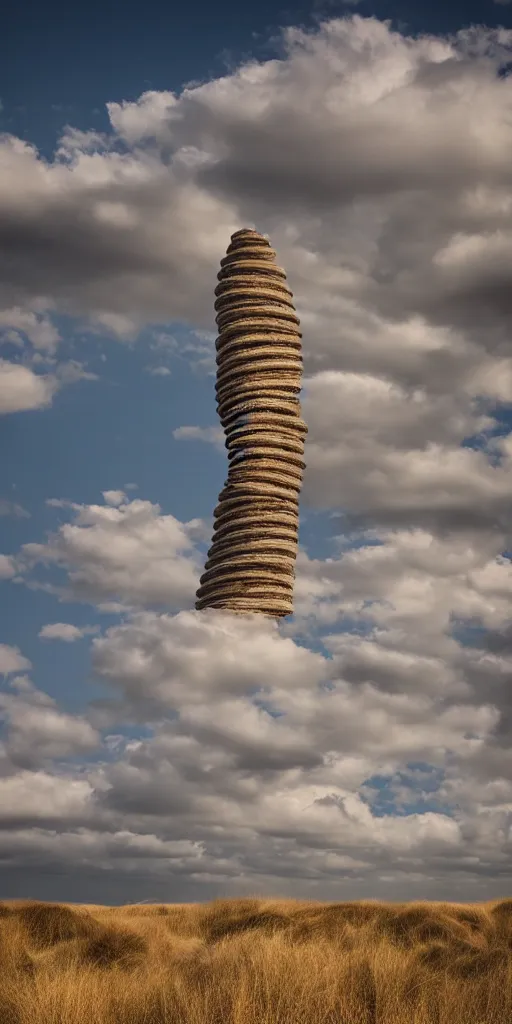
(250, 565)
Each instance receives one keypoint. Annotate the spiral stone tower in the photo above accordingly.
(250, 564)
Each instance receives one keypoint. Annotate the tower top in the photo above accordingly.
(247, 232)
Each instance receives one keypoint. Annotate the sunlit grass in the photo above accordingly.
(256, 961)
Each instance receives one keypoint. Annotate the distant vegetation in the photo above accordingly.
(256, 961)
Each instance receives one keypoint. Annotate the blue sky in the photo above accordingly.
(63, 62)
(370, 141)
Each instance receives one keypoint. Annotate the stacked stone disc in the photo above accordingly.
(250, 565)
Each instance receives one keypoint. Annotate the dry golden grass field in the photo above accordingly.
(256, 961)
